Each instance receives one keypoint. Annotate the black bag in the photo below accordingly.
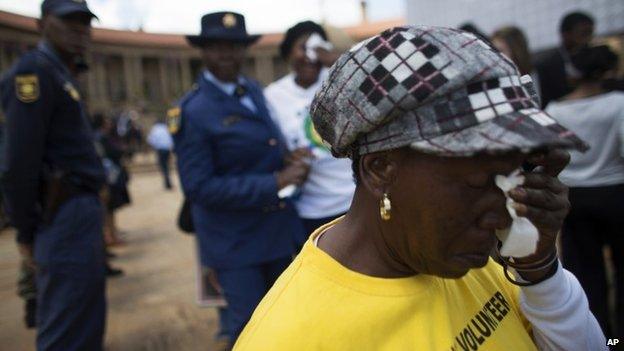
(185, 219)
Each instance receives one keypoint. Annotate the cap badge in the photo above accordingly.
(229, 20)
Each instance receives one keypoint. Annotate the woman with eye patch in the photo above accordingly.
(327, 192)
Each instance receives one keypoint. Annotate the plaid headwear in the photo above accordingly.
(440, 90)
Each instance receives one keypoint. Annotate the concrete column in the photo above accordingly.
(138, 78)
(164, 79)
(103, 100)
(173, 75)
(185, 73)
(133, 74)
(128, 77)
(264, 69)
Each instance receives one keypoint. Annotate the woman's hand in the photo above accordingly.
(302, 154)
(543, 199)
(297, 168)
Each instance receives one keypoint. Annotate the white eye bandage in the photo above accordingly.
(519, 240)
(313, 42)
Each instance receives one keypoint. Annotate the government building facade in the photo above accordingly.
(148, 72)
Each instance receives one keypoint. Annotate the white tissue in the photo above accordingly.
(287, 191)
(316, 41)
(519, 240)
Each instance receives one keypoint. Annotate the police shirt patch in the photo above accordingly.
(27, 88)
(173, 120)
(73, 92)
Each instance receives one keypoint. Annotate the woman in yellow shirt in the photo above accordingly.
(430, 116)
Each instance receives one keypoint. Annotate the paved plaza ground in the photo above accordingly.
(152, 307)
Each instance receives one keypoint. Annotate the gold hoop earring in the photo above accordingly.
(385, 207)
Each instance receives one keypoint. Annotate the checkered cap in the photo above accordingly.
(440, 90)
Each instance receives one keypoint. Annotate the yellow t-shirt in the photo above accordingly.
(318, 304)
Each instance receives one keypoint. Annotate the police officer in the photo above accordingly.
(231, 164)
(52, 177)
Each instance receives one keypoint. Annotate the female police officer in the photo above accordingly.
(231, 166)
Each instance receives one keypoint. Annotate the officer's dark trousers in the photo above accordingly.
(596, 220)
(69, 254)
(244, 288)
(163, 162)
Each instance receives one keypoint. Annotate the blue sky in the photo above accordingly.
(182, 16)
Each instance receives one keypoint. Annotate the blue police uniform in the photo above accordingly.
(227, 156)
(47, 131)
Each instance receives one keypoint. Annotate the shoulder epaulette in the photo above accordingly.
(24, 76)
(173, 119)
(174, 114)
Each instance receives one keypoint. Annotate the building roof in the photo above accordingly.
(162, 40)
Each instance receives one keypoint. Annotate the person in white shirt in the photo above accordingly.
(160, 139)
(328, 191)
(596, 182)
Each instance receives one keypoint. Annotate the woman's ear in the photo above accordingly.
(378, 171)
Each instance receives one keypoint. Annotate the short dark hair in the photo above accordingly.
(594, 62)
(573, 19)
(295, 32)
